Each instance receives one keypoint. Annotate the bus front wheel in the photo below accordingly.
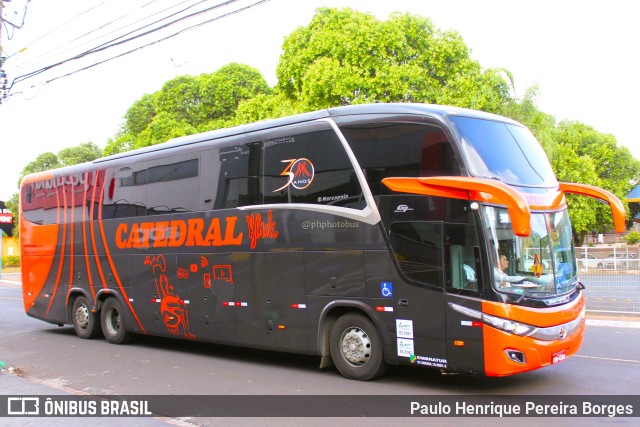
(113, 322)
(85, 322)
(356, 348)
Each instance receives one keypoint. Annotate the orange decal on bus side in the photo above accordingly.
(72, 226)
(116, 277)
(459, 186)
(63, 246)
(85, 241)
(617, 208)
(37, 259)
(92, 230)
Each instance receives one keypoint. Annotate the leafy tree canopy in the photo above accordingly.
(601, 162)
(346, 57)
(82, 153)
(187, 105)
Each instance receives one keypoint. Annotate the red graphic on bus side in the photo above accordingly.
(258, 229)
(173, 309)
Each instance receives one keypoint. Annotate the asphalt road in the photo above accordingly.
(53, 357)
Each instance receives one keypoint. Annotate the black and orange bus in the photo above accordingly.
(367, 235)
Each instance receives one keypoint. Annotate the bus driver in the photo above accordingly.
(502, 279)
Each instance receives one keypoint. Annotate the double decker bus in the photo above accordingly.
(367, 235)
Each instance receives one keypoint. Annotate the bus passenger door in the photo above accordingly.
(464, 281)
(419, 302)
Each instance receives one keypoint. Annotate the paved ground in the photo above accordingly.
(12, 384)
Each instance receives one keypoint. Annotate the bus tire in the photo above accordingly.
(85, 322)
(113, 322)
(356, 348)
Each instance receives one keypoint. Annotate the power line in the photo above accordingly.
(234, 12)
(114, 42)
(50, 54)
(15, 26)
(58, 27)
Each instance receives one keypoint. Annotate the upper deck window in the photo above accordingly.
(394, 149)
(309, 167)
(503, 151)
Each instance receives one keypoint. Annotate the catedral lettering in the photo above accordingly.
(366, 235)
(173, 234)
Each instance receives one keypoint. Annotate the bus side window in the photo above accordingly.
(462, 265)
(311, 167)
(173, 184)
(396, 149)
(236, 169)
(417, 246)
(125, 193)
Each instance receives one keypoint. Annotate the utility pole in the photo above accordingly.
(3, 75)
(1, 8)
(1, 23)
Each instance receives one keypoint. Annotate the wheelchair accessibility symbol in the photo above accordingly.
(386, 289)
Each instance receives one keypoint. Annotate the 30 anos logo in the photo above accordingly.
(300, 173)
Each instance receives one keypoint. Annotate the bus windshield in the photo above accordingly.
(504, 151)
(540, 265)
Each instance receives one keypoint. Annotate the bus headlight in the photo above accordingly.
(517, 328)
(510, 326)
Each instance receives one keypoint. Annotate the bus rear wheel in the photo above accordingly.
(356, 348)
(113, 322)
(85, 322)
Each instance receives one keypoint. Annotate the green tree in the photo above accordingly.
(44, 162)
(591, 157)
(262, 107)
(541, 124)
(225, 89)
(82, 153)
(186, 105)
(346, 57)
(571, 167)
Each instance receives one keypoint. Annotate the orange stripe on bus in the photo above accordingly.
(71, 206)
(38, 258)
(93, 236)
(84, 238)
(62, 247)
(111, 263)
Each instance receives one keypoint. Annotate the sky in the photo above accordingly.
(582, 54)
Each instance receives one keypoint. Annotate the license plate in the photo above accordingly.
(558, 357)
